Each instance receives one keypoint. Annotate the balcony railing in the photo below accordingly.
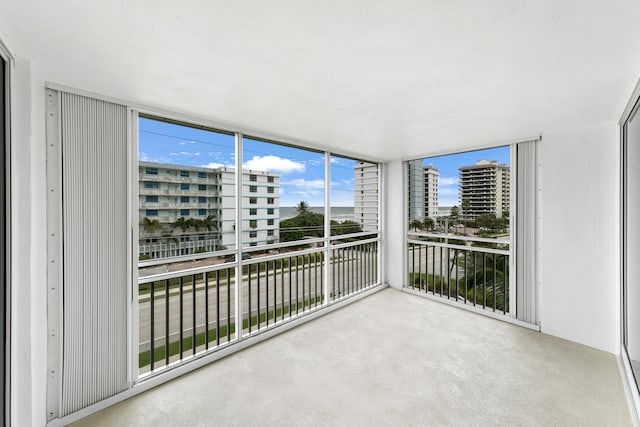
(193, 311)
(468, 270)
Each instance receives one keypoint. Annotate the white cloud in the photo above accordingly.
(304, 183)
(448, 191)
(271, 163)
(448, 181)
(212, 165)
(185, 153)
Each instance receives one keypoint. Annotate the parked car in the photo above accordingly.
(232, 258)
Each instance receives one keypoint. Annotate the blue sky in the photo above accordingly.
(448, 190)
(301, 171)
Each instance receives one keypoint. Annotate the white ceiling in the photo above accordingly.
(386, 79)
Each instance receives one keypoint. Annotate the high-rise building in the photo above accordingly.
(184, 209)
(365, 196)
(423, 190)
(486, 187)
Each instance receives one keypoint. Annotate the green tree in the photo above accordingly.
(429, 224)
(415, 224)
(181, 223)
(455, 212)
(482, 272)
(209, 223)
(151, 226)
(305, 224)
(466, 208)
(302, 207)
(345, 227)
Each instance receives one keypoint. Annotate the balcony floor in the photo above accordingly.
(392, 359)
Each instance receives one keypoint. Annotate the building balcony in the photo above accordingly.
(391, 358)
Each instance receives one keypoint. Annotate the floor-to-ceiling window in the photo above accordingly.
(631, 239)
(463, 212)
(3, 233)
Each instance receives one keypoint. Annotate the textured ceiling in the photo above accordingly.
(384, 79)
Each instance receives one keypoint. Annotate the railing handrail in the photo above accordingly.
(356, 243)
(186, 272)
(458, 237)
(460, 247)
(183, 258)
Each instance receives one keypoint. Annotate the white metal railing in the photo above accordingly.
(192, 311)
(468, 270)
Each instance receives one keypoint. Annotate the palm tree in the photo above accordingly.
(415, 224)
(466, 207)
(182, 223)
(428, 223)
(302, 207)
(151, 226)
(491, 284)
(195, 223)
(209, 223)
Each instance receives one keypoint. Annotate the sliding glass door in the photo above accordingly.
(631, 240)
(3, 235)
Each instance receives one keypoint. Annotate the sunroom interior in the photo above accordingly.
(363, 87)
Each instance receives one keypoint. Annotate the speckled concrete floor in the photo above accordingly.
(391, 359)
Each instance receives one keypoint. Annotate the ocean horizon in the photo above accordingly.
(338, 213)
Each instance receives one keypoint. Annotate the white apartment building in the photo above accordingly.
(195, 208)
(365, 195)
(486, 185)
(423, 190)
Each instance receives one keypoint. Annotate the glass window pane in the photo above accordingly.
(283, 193)
(187, 164)
(463, 193)
(354, 196)
(632, 243)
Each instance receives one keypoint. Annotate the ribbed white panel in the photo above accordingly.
(94, 208)
(526, 232)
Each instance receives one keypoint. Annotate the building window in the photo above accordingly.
(151, 171)
(152, 212)
(151, 199)
(253, 211)
(253, 200)
(253, 223)
(269, 233)
(270, 211)
(270, 201)
(202, 174)
(253, 178)
(184, 173)
(202, 199)
(270, 221)
(270, 190)
(184, 186)
(150, 184)
(184, 212)
(202, 212)
(253, 234)
(269, 179)
(253, 243)
(202, 187)
(184, 199)
(253, 189)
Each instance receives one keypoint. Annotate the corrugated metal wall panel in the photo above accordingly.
(94, 205)
(526, 232)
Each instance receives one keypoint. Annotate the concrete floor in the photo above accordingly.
(392, 359)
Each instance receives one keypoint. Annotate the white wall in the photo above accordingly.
(394, 225)
(580, 235)
(21, 259)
